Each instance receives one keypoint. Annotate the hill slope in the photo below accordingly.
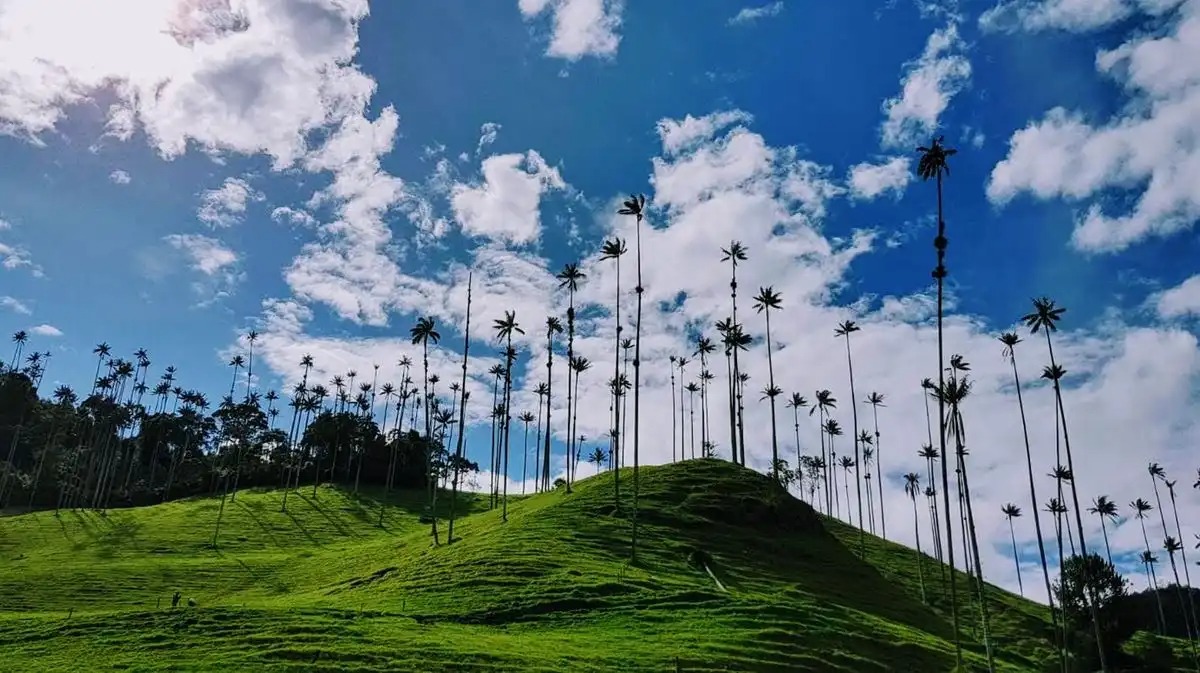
(323, 587)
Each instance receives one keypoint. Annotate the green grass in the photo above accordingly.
(324, 588)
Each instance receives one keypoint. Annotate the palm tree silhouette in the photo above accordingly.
(505, 328)
(766, 301)
(237, 363)
(735, 253)
(464, 396)
(797, 402)
(912, 486)
(569, 278)
(930, 455)
(833, 429)
(1105, 509)
(681, 362)
(692, 388)
(824, 402)
(1186, 574)
(1046, 316)
(934, 163)
(845, 329)
(868, 456)
(1140, 507)
(423, 333)
(597, 457)
(553, 326)
(674, 421)
(876, 400)
(846, 464)
(635, 206)
(1172, 545)
(704, 348)
(541, 390)
(526, 418)
(1011, 512)
(613, 249)
(579, 365)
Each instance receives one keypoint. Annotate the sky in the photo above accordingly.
(178, 173)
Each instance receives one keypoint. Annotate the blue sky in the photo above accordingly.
(325, 171)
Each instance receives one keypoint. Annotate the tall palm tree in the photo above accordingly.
(797, 402)
(847, 463)
(824, 402)
(934, 164)
(681, 362)
(251, 338)
(1156, 473)
(1186, 575)
(1011, 512)
(766, 301)
(541, 390)
(1010, 341)
(845, 329)
(674, 421)
(526, 418)
(833, 429)
(505, 328)
(930, 455)
(735, 253)
(462, 416)
(692, 388)
(613, 249)
(20, 337)
(868, 456)
(579, 365)
(912, 486)
(553, 326)
(1105, 509)
(876, 400)
(704, 348)
(569, 278)
(635, 206)
(1046, 316)
(497, 373)
(1149, 559)
(1140, 507)
(236, 363)
(424, 332)
(1172, 546)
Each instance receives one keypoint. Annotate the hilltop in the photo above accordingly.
(730, 574)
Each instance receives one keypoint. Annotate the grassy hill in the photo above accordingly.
(323, 587)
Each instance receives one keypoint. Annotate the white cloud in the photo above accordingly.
(289, 215)
(868, 180)
(505, 206)
(678, 135)
(120, 177)
(249, 76)
(929, 83)
(581, 27)
(15, 305)
(1147, 150)
(46, 330)
(487, 135)
(207, 255)
(751, 14)
(14, 256)
(1180, 301)
(1068, 15)
(225, 206)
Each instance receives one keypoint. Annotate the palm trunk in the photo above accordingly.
(507, 421)
(1016, 559)
(729, 372)
(1162, 615)
(637, 372)
(495, 442)
(525, 464)
(462, 414)
(879, 468)
(796, 422)
(570, 397)
(616, 434)
(771, 385)
(1186, 575)
(1187, 625)
(692, 420)
(431, 479)
(674, 434)
(574, 427)
(1078, 517)
(537, 454)
(857, 469)
(920, 559)
(982, 586)
(549, 404)
(824, 460)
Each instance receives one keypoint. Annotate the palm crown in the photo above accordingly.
(570, 276)
(1011, 511)
(424, 331)
(634, 205)
(933, 159)
(1102, 506)
(613, 249)
(1046, 315)
(767, 299)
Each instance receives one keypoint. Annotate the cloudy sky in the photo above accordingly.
(325, 171)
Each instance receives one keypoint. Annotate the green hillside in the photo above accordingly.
(324, 588)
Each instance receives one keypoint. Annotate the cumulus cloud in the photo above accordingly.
(1180, 301)
(580, 27)
(751, 14)
(1067, 15)
(13, 256)
(120, 177)
(871, 180)
(487, 135)
(207, 255)
(15, 305)
(929, 83)
(505, 206)
(46, 330)
(678, 135)
(1146, 151)
(225, 205)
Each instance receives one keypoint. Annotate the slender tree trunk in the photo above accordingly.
(857, 455)
(507, 420)
(525, 464)
(674, 435)
(462, 415)
(637, 373)
(1186, 575)
(1162, 615)
(537, 454)
(1016, 559)
(570, 374)
(982, 586)
(920, 559)
(879, 466)
(771, 385)
(616, 434)
(729, 371)
(549, 404)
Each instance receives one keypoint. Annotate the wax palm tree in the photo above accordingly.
(845, 329)
(692, 388)
(868, 456)
(934, 164)
(505, 328)
(1172, 546)
(613, 249)
(1148, 559)
(766, 301)
(848, 463)
(736, 252)
(569, 278)
(912, 486)
(1140, 508)
(674, 421)
(251, 338)
(876, 400)
(797, 402)
(1046, 316)
(597, 457)
(635, 206)
(833, 429)
(770, 393)
(464, 396)
(1105, 509)
(20, 337)
(930, 455)
(497, 374)
(1011, 512)
(1010, 341)
(553, 326)
(681, 362)
(1061, 474)
(824, 402)
(526, 418)
(704, 348)
(424, 332)
(1186, 574)
(236, 363)
(579, 365)
(541, 390)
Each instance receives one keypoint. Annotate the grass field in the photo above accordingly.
(323, 587)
